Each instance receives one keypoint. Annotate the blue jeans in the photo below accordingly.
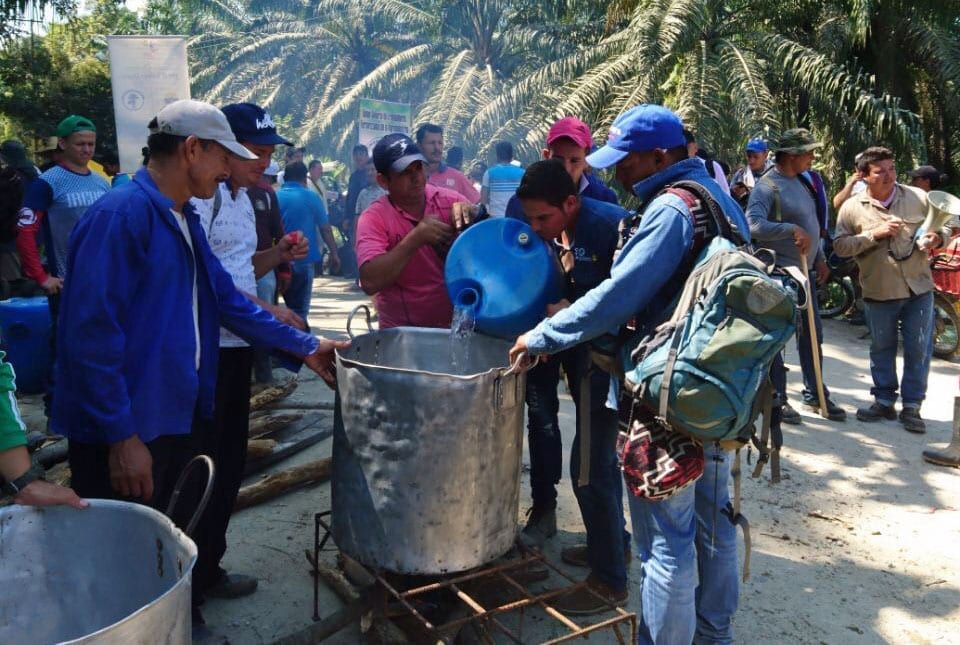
(600, 501)
(914, 316)
(297, 295)
(689, 583)
(262, 367)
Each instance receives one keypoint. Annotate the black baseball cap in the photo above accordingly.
(925, 172)
(394, 152)
(252, 124)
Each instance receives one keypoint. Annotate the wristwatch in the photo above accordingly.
(14, 487)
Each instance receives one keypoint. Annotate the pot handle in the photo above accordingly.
(207, 491)
(518, 367)
(353, 313)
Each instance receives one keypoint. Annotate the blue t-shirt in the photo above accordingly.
(64, 196)
(501, 182)
(302, 210)
(594, 243)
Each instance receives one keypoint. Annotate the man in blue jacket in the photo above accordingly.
(685, 537)
(140, 316)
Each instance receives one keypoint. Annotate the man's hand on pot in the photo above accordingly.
(322, 360)
(43, 493)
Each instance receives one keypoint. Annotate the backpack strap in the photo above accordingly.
(777, 211)
(667, 377)
(813, 187)
(583, 403)
(732, 511)
(814, 183)
(217, 204)
(765, 395)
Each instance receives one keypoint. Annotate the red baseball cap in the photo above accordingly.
(572, 128)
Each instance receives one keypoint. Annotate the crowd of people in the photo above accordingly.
(164, 290)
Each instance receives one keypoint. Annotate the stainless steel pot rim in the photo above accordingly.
(350, 362)
(133, 508)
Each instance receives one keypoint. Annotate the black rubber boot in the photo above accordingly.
(949, 456)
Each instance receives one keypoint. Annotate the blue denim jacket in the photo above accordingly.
(126, 343)
(650, 258)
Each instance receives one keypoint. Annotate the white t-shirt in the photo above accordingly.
(232, 236)
(716, 174)
(182, 221)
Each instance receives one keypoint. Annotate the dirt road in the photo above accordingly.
(858, 544)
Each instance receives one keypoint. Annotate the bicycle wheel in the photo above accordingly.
(834, 297)
(946, 327)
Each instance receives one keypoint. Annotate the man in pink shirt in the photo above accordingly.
(430, 141)
(403, 238)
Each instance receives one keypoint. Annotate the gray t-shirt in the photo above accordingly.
(797, 207)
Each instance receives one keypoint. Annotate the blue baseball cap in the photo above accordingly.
(757, 145)
(252, 124)
(639, 129)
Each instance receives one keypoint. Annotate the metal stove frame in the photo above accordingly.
(484, 619)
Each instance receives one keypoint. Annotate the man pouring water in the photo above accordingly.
(403, 238)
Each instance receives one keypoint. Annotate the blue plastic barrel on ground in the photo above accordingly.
(25, 337)
(505, 273)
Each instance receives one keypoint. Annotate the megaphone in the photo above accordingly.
(943, 207)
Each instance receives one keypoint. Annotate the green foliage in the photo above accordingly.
(857, 72)
(15, 13)
(45, 78)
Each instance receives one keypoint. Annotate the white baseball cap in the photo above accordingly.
(202, 120)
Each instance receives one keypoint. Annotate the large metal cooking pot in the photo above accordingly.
(426, 450)
(115, 573)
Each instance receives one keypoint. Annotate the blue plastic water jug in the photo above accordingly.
(25, 337)
(504, 274)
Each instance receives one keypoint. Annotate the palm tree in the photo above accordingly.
(730, 72)
(491, 69)
(913, 51)
(468, 54)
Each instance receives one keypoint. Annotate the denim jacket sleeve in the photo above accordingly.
(648, 260)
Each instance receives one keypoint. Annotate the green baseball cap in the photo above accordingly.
(796, 141)
(75, 123)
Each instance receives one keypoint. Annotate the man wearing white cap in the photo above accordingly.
(140, 323)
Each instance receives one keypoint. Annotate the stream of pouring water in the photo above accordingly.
(461, 336)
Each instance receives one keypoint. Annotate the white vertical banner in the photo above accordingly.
(146, 74)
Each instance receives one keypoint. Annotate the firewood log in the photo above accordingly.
(260, 447)
(273, 394)
(279, 483)
(268, 423)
